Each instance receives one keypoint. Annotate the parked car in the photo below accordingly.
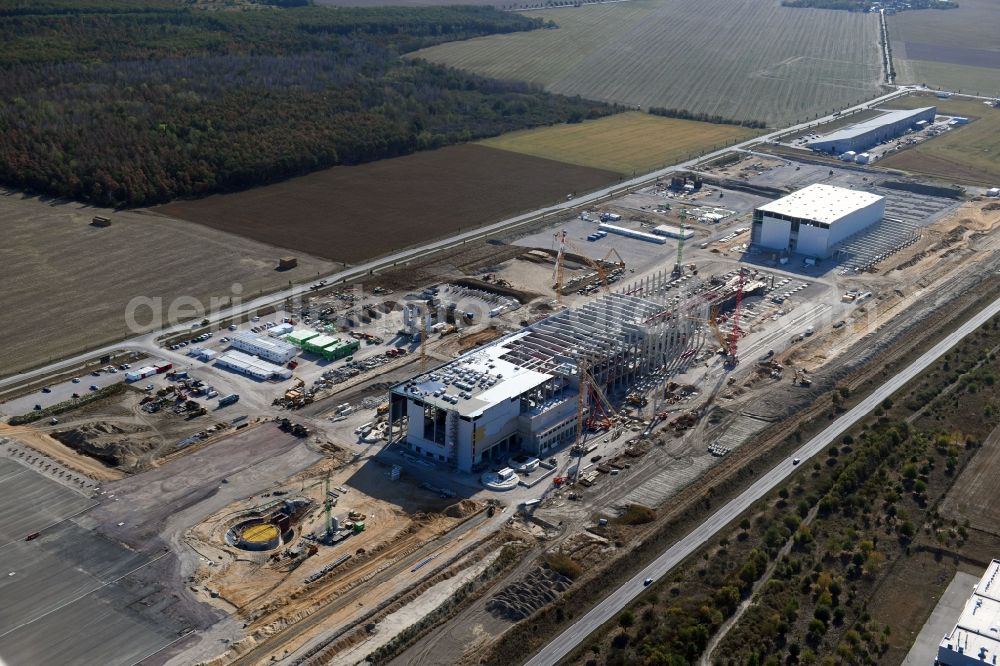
(76, 380)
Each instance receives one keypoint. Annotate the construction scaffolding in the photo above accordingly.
(529, 388)
(620, 337)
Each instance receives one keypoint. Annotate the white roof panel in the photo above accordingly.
(865, 126)
(491, 379)
(821, 203)
(978, 629)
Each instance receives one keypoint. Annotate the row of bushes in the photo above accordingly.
(704, 117)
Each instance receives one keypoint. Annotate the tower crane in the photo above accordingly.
(679, 266)
(327, 502)
(734, 336)
(557, 272)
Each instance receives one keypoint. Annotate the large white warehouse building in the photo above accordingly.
(975, 640)
(814, 219)
(869, 133)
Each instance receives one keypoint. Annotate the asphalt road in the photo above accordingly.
(617, 600)
(147, 342)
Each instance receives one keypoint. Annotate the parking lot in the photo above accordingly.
(66, 390)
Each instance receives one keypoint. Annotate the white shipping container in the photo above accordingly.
(141, 373)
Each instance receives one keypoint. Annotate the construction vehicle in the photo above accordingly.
(600, 267)
(636, 399)
(734, 336)
(230, 399)
(295, 391)
(713, 322)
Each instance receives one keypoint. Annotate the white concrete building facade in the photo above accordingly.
(814, 219)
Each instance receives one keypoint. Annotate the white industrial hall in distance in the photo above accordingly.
(522, 392)
(813, 220)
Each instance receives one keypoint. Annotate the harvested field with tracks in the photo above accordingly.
(652, 53)
(954, 49)
(360, 212)
(68, 283)
(629, 143)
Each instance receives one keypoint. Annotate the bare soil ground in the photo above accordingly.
(67, 283)
(116, 436)
(359, 212)
(46, 445)
(271, 593)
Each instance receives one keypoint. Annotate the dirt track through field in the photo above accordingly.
(360, 212)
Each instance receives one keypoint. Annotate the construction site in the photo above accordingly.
(433, 455)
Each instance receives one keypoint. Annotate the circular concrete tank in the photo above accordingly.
(254, 534)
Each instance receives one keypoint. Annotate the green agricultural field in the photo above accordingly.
(629, 143)
(954, 106)
(967, 154)
(743, 59)
(954, 49)
(959, 78)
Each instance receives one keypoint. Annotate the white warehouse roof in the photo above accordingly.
(821, 203)
(865, 126)
(252, 365)
(976, 635)
(265, 342)
(490, 380)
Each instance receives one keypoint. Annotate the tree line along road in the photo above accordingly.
(565, 642)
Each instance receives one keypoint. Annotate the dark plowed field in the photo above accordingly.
(354, 213)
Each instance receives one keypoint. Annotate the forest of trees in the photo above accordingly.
(123, 107)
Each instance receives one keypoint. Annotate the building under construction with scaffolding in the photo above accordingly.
(528, 391)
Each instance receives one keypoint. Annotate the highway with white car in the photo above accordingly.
(670, 558)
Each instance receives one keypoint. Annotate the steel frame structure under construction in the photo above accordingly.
(520, 393)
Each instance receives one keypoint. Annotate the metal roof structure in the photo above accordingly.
(872, 125)
(546, 350)
(821, 203)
